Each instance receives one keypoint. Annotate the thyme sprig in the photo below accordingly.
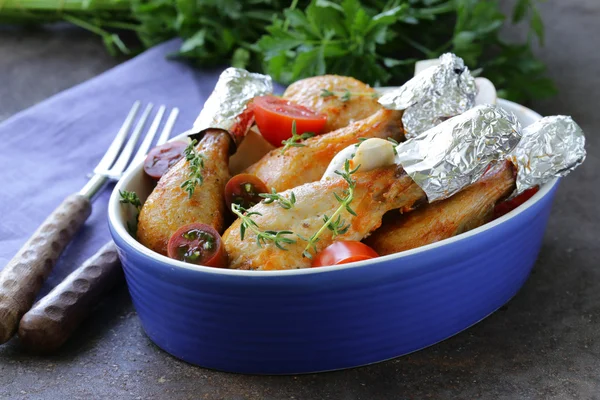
(295, 140)
(276, 197)
(196, 164)
(279, 238)
(345, 95)
(133, 199)
(335, 223)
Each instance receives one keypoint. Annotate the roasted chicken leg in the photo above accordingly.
(299, 165)
(343, 99)
(466, 210)
(168, 206)
(376, 192)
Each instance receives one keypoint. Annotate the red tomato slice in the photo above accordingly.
(343, 252)
(244, 189)
(507, 206)
(197, 244)
(161, 158)
(274, 117)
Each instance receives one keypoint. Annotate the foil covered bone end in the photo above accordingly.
(455, 153)
(224, 108)
(434, 95)
(550, 148)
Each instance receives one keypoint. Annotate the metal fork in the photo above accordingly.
(23, 276)
(108, 168)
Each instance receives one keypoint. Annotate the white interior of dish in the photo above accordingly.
(134, 180)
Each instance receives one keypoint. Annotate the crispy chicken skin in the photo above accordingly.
(466, 210)
(168, 206)
(376, 192)
(361, 104)
(300, 165)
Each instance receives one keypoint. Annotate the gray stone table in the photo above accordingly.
(544, 344)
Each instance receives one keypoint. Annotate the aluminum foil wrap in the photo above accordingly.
(433, 95)
(550, 148)
(455, 153)
(235, 88)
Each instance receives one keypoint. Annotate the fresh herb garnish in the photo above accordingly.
(345, 95)
(196, 164)
(133, 199)
(376, 42)
(395, 143)
(327, 93)
(276, 197)
(279, 238)
(295, 140)
(335, 223)
(379, 42)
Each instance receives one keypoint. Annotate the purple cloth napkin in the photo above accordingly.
(47, 150)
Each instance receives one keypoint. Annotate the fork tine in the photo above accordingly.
(123, 159)
(143, 149)
(114, 148)
(166, 132)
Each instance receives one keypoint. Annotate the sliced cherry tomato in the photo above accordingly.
(274, 117)
(343, 252)
(163, 157)
(244, 189)
(197, 244)
(507, 206)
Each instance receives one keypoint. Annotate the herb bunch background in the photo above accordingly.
(376, 41)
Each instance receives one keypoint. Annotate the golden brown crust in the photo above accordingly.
(376, 192)
(168, 206)
(430, 223)
(300, 165)
(361, 103)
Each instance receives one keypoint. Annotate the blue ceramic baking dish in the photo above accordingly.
(300, 321)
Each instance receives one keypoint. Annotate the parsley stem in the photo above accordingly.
(292, 7)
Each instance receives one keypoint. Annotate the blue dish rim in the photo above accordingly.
(117, 226)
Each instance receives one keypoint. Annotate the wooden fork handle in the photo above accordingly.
(51, 321)
(22, 278)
